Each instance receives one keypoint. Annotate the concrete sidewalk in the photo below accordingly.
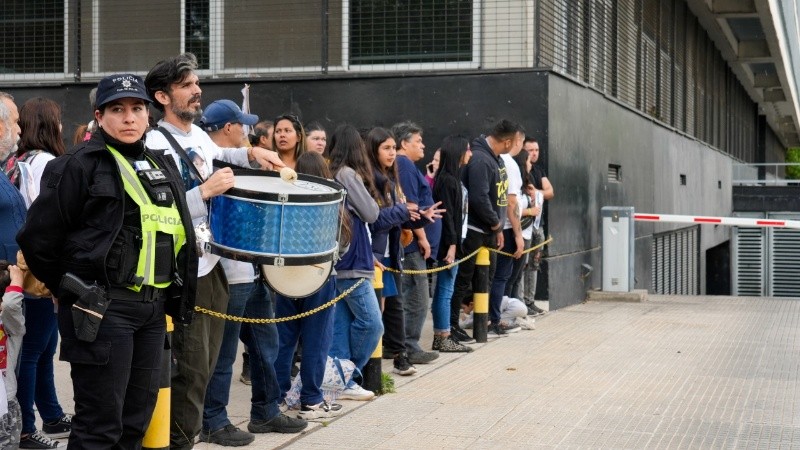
(673, 372)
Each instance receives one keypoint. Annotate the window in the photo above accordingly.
(32, 33)
(405, 31)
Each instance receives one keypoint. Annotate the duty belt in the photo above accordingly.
(147, 294)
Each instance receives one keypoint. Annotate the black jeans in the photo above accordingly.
(466, 270)
(394, 322)
(115, 379)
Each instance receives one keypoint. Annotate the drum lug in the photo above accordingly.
(283, 197)
(279, 261)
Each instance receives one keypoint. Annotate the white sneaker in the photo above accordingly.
(526, 323)
(356, 392)
(323, 410)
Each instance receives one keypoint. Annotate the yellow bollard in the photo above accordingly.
(157, 435)
(480, 297)
(372, 369)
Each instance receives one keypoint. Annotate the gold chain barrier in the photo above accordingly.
(319, 308)
(352, 288)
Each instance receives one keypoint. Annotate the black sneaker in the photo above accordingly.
(60, 428)
(228, 436)
(38, 440)
(534, 310)
(495, 330)
(422, 357)
(402, 366)
(278, 424)
(461, 336)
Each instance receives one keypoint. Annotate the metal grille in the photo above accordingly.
(748, 261)
(654, 56)
(675, 263)
(764, 261)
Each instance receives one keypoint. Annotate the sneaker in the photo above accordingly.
(461, 336)
(278, 424)
(449, 345)
(245, 376)
(422, 357)
(526, 323)
(321, 410)
(402, 366)
(227, 436)
(510, 327)
(495, 330)
(38, 440)
(534, 310)
(356, 392)
(60, 428)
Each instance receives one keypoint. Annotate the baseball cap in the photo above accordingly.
(220, 112)
(121, 85)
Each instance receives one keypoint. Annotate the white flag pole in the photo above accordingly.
(246, 106)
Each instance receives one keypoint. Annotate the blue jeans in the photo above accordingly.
(416, 300)
(316, 331)
(505, 265)
(249, 300)
(442, 293)
(357, 325)
(35, 383)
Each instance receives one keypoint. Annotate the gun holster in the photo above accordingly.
(88, 309)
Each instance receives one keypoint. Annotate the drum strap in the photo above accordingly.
(180, 151)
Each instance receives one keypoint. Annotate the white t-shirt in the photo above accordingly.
(203, 151)
(514, 183)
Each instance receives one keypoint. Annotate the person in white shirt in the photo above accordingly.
(175, 90)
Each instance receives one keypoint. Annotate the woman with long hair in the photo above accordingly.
(289, 139)
(40, 142)
(315, 331)
(447, 188)
(357, 319)
(386, 247)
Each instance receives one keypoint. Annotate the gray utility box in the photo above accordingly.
(617, 248)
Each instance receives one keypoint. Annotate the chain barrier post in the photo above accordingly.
(480, 297)
(372, 369)
(157, 435)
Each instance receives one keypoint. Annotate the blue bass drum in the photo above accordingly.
(290, 228)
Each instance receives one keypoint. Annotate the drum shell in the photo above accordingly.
(270, 229)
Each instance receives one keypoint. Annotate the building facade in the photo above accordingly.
(643, 103)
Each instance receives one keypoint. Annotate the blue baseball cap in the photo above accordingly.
(220, 112)
(121, 85)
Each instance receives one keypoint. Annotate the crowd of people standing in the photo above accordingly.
(111, 237)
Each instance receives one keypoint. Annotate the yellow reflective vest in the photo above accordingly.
(165, 219)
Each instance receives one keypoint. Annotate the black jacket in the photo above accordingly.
(79, 212)
(447, 189)
(487, 187)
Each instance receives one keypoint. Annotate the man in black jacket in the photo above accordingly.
(112, 214)
(487, 186)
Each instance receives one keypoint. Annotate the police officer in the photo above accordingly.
(110, 235)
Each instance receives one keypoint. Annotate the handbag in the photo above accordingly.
(30, 284)
(338, 373)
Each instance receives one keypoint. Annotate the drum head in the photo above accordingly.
(297, 281)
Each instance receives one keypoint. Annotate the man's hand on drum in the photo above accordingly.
(219, 181)
(433, 212)
(267, 159)
(413, 211)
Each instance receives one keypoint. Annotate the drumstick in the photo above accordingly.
(288, 175)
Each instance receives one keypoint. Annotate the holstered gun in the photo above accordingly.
(88, 309)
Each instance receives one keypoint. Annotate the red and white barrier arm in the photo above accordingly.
(734, 221)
